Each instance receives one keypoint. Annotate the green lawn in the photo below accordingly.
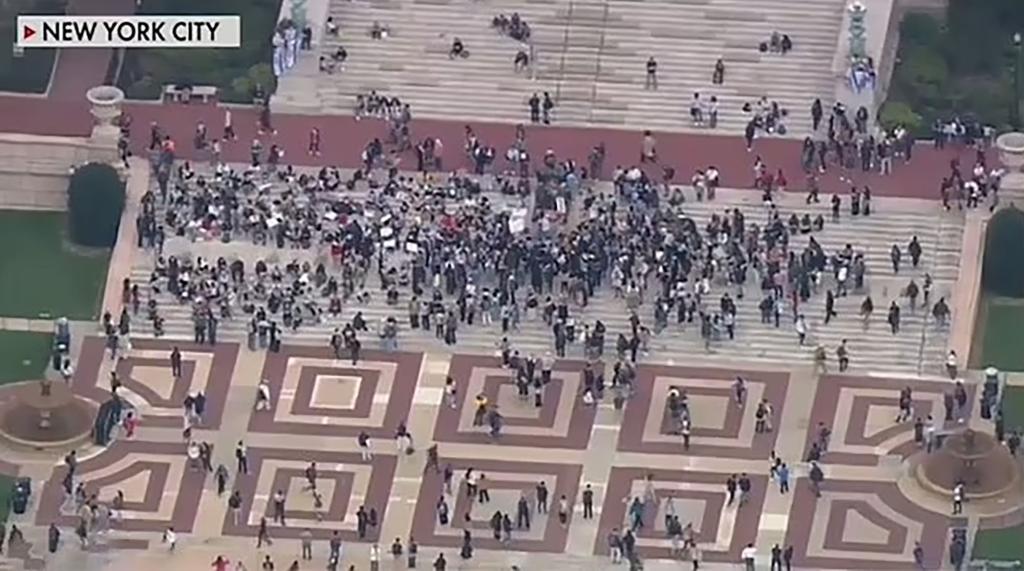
(39, 276)
(6, 489)
(234, 71)
(1000, 329)
(1013, 408)
(999, 342)
(24, 355)
(30, 72)
(999, 544)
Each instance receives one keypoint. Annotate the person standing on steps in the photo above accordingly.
(651, 82)
(843, 356)
(534, 104)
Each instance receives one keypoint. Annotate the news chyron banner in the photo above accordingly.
(129, 31)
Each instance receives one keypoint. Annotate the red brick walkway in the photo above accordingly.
(343, 139)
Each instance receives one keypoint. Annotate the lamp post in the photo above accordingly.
(1015, 107)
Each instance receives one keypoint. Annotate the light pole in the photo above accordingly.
(1015, 107)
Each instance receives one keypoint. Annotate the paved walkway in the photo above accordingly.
(37, 325)
(864, 520)
(344, 138)
(81, 68)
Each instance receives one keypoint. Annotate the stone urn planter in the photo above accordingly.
(1011, 150)
(105, 101)
(105, 107)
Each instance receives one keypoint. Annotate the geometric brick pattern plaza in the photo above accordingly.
(861, 521)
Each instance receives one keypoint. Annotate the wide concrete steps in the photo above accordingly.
(919, 347)
(590, 55)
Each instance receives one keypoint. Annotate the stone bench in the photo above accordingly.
(188, 93)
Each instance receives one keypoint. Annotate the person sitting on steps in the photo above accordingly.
(458, 49)
(522, 61)
(379, 32)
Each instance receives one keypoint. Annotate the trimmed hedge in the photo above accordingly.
(96, 199)
(1003, 272)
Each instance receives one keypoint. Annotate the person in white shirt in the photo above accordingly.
(749, 555)
(170, 538)
(263, 395)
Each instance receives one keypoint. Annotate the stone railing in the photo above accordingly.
(34, 169)
(966, 296)
(881, 30)
(312, 13)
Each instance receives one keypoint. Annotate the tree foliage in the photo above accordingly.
(962, 65)
(96, 197)
(234, 71)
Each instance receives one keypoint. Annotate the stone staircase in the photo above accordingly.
(919, 348)
(589, 54)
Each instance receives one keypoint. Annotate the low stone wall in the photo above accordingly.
(34, 170)
(967, 293)
(936, 6)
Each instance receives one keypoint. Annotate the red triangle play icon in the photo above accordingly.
(27, 32)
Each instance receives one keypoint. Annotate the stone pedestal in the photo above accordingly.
(105, 102)
(1011, 150)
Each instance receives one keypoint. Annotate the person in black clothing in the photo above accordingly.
(588, 502)
(730, 487)
(534, 108)
(652, 74)
(467, 546)
(748, 135)
(53, 538)
(776, 558)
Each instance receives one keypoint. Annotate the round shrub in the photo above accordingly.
(1003, 272)
(895, 113)
(96, 198)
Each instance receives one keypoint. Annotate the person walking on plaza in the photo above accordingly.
(170, 539)
(749, 557)
(363, 440)
(816, 476)
(782, 475)
(306, 538)
(958, 498)
(731, 485)
(588, 502)
(263, 534)
(776, 558)
(176, 363)
(242, 457)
